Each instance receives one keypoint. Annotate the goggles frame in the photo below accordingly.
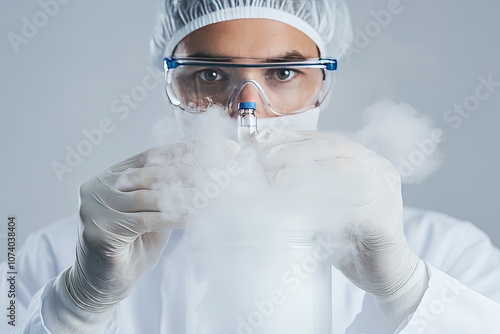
(172, 63)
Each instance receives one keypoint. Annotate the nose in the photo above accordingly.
(250, 93)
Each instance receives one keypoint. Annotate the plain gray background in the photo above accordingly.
(66, 77)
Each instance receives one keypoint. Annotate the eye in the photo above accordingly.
(284, 74)
(210, 75)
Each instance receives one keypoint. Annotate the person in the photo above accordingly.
(415, 271)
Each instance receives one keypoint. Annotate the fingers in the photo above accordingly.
(124, 228)
(345, 172)
(299, 152)
(287, 155)
(340, 166)
(355, 181)
(177, 153)
(268, 138)
(135, 161)
(153, 178)
(107, 213)
(294, 147)
(134, 201)
(145, 222)
(157, 156)
(96, 194)
(189, 153)
(153, 169)
(131, 199)
(151, 183)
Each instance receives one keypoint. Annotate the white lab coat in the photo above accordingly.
(454, 252)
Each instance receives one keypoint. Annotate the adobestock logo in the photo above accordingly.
(437, 306)
(484, 90)
(32, 26)
(120, 108)
(291, 281)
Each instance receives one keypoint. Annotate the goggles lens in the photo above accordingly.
(285, 87)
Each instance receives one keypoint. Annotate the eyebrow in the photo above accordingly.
(288, 56)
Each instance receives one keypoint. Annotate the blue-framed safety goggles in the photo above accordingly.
(284, 86)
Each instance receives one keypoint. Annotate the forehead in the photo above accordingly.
(249, 38)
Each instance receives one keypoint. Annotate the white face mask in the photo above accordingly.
(189, 123)
(305, 121)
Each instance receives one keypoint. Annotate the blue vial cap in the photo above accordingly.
(247, 105)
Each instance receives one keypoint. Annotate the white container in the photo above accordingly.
(281, 285)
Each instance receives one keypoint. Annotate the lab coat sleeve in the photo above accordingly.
(39, 265)
(449, 306)
(463, 293)
(61, 315)
(34, 266)
(52, 307)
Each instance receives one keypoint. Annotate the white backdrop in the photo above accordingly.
(69, 71)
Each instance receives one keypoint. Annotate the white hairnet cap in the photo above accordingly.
(326, 22)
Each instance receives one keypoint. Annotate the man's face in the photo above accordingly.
(248, 38)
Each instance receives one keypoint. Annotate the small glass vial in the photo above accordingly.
(247, 120)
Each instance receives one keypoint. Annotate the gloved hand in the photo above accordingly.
(127, 217)
(369, 190)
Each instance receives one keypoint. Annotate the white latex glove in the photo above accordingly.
(127, 215)
(124, 226)
(372, 207)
